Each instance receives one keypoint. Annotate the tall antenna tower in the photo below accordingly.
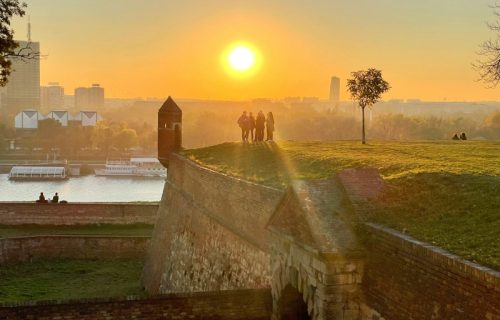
(29, 29)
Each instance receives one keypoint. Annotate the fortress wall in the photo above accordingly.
(408, 279)
(210, 233)
(232, 305)
(18, 213)
(15, 250)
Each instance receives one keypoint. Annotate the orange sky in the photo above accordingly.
(157, 48)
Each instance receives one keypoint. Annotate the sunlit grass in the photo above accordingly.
(70, 279)
(447, 193)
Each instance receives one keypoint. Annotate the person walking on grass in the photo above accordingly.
(270, 126)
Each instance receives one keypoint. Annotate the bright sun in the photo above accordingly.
(241, 58)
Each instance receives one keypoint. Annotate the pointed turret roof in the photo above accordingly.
(170, 106)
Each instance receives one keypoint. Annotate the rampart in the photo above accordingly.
(216, 232)
(18, 213)
(211, 232)
(409, 279)
(230, 305)
(15, 250)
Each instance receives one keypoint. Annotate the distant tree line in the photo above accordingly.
(202, 127)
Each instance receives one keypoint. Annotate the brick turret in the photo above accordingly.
(169, 130)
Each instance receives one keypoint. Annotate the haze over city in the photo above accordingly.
(155, 48)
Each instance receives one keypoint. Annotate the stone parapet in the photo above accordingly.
(22, 249)
(19, 213)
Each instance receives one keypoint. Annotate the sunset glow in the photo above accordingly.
(241, 59)
(296, 45)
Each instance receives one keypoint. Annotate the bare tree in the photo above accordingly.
(9, 48)
(488, 65)
(366, 87)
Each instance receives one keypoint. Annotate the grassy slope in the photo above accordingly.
(7, 231)
(70, 279)
(447, 193)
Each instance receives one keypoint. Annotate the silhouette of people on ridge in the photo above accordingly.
(255, 126)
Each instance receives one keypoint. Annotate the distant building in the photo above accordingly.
(23, 89)
(86, 118)
(335, 90)
(92, 97)
(310, 100)
(52, 96)
(291, 100)
(29, 119)
(62, 116)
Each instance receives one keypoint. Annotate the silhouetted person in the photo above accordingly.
(55, 198)
(251, 126)
(243, 123)
(41, 198)
(463, 136)
(260, 123)
(270, 126)
(455, 137)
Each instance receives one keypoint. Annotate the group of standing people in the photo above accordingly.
(253, 127)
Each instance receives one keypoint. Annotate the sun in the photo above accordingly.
(241, 58)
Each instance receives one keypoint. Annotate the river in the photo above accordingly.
(84, 189)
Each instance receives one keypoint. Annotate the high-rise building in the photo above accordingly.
(335, 90)
(23, 88)
(52, 96)
(92, 97)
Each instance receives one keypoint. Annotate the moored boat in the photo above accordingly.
(37, 173)
(136, 167)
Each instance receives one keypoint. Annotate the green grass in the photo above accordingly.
(70, 279)
(8, 231)
(446, 193)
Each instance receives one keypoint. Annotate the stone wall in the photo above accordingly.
(17, 213)
(210, 233)
(14, 250)
(231, 305)
(408, 279)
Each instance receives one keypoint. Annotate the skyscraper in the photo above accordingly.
(335, 90)
(23, 89)
(52, 96)
(92, 97)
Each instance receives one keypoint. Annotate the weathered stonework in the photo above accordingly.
(315, 251)
(410, 279)
(229, 305)
(18, 213)
(15, 250)
(216, 232)
(210, 233)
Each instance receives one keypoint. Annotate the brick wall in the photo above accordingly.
(408, 279)
(211, 232)
(14, 250)
(17, 213)
(229, 305)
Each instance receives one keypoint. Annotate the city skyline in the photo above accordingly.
(422, 55)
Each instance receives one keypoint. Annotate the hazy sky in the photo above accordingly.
(155, 48)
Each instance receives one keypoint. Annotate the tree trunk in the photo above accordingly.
(363, 136)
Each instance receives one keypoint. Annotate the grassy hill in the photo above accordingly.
(446, 193)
